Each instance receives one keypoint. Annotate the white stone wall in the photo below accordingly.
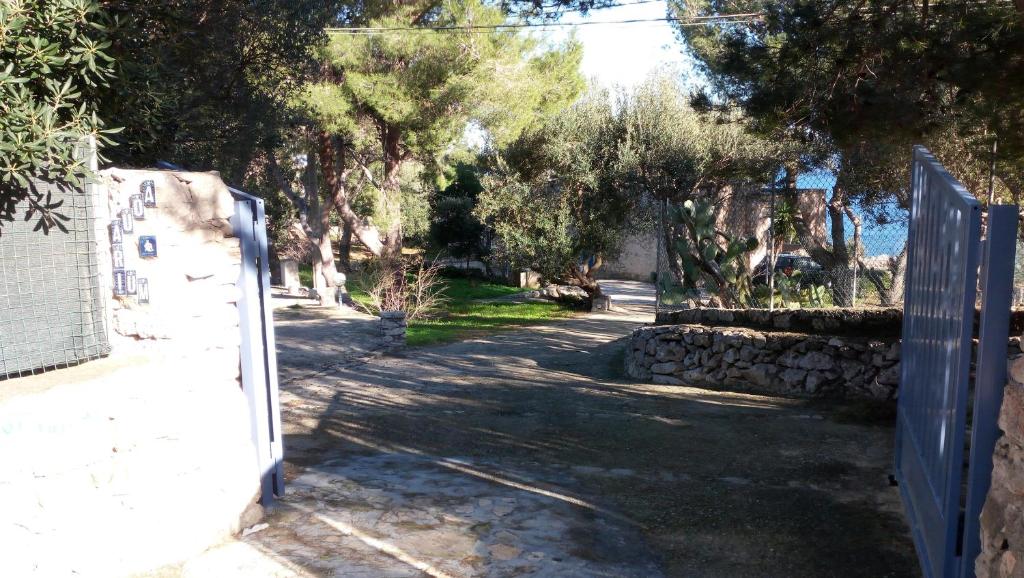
(142, 459)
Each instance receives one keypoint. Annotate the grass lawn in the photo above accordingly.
(465, 313)
(468, 319)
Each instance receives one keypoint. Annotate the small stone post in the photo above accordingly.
(601, 303)
(290, 275)
(392, 328)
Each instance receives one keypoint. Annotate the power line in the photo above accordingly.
(690, 21)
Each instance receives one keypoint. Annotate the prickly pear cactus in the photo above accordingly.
(710, 258)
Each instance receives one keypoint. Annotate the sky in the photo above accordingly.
(625, 54)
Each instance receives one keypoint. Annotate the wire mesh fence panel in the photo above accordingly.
(51, 309)
(815, 247)
(1018, 270)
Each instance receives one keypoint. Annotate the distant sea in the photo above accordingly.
(887, 239)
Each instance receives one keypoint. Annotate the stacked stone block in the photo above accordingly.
(393, 326)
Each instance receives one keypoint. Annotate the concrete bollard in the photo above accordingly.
(290, 275)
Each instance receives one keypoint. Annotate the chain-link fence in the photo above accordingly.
(815, 247)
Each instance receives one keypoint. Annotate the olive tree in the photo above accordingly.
(53, 68)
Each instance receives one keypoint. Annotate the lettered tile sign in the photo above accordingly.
(116, 233)
(120, 287)
(138, 210)
(117, 256)
(127, 222)
(148, 190)
(147, 246)
(143, 290)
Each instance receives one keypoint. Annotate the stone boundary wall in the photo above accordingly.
(881, 323)
(122, 465)
(739, 358)
(1002, 518)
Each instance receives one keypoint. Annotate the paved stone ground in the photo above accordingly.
(528, 454)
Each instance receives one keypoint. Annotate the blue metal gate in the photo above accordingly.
(938, 329)
(258, 350)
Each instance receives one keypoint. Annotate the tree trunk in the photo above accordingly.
(672, 260)
(839, 268)
(898, 270)
(345, 248)
(324, 269)
(835, 260)
(893, 294)
(392, 140)
(332, 166)
(585, 281)
(314, 220)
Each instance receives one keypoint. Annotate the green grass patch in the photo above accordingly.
(466, 312)
(464, 290)
(305, 275)
(469, 319)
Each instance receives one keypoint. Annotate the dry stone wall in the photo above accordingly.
(1002, 518)
(769, 362)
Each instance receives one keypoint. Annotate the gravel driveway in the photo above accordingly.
(528, 453)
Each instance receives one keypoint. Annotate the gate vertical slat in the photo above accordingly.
(269, 348)
(938, 322)
(252, 346)
(990, 376)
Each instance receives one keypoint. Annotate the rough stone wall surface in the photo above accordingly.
(393, 327)
(192, 292)
(769, 362)
(137, 468)
(885, 323)
(144, 458)
(1002, 518)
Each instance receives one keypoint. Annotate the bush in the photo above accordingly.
(53, 64)
(400, 285)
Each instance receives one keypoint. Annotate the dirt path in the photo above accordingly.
(528, 454)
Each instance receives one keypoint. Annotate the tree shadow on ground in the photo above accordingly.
(720, 484)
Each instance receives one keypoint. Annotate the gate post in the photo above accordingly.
(990, 376)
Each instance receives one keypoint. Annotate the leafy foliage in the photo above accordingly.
(54, 65)
(384, 100)
(669, 150)
(711, 259)
(453, 225)
(859, 77)
(554, 195)
(204, 83)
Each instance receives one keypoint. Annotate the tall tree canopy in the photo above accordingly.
(395, 88)
(855, 74)
(204, 83)
(562, 196)
(385, 99)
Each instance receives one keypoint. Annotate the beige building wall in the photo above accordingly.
(638, 260)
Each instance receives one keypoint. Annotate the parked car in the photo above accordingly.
(811, 273)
